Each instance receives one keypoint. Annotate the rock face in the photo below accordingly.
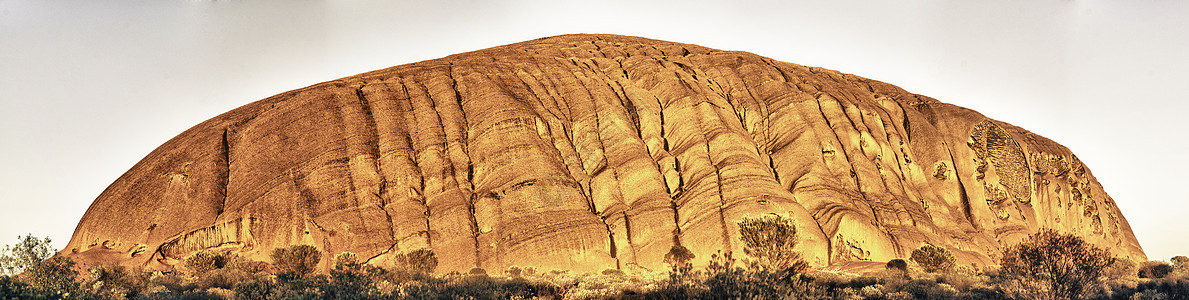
(589, 152)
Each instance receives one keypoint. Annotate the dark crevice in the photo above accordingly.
(405, 107)
(632, 112)
(627, 228)
(966, 209)
(611, 241)
(778, 70)
(470, 180)
(722, 201)
(907, 125)
(772, 167)
(842, 148)
(225, 178)
(382, 252)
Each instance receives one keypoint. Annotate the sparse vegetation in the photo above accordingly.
(897, 264)
(1065, 265)
(210, 275)
(300, 260)
(934, 259)
(1154, 269)
(770, 239)
(420, 261)
(1180, 263)
(26, 253)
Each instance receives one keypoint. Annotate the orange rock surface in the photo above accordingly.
(592, 152)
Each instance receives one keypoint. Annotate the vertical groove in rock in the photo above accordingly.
(966, 209)
(459, 155)
(372, 147)
(224, 172)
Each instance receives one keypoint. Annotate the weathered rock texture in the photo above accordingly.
(588, 152)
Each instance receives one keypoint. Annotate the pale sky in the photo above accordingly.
(88, 88)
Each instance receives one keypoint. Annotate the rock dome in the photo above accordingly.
(592, 152)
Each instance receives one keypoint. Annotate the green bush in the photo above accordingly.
(1064, 263)
(934, 259)
(26, 253)
(770, 239)
(55, 276)
(300, 259)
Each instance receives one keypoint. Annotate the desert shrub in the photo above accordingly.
(770, 239)
(477, 272)
(1169, 288)
(897, 264)
(161, 281)
(259, 289)
(114, 282)
(26, 253)
(55, 276)
(725, 279)
(352, 283)
(934, 259)
(292, 285)
(682, 282)
(612, 272)
(1063, 263)
(1121, 269)
(929, 289)
(300, 259)
(963, 279)
(421, 261)
(347, 261)
(10, 288)
(202, 262)
(224, 278)
(196, 294)
(480, 287)
(1180, 262)
(1154, 269)
(514, 271)
(678, 255)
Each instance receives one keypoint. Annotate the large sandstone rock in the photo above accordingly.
(588, 152)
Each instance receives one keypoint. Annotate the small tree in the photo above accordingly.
(1065, 263)
(934, 259)
(27, 252)
(299, 259)
(770, 239)
(678, 255)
